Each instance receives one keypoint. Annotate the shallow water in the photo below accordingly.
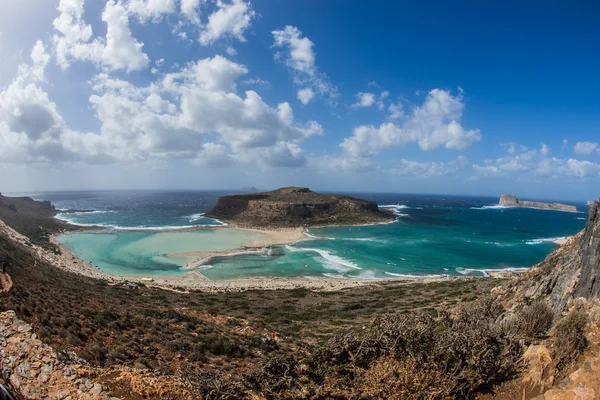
(146, 253)
(433, 235)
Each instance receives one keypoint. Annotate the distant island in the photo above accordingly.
(295, 207)
(510, 200)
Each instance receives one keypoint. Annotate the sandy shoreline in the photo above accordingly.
(194, 280)
(270, 238)
(563, 240)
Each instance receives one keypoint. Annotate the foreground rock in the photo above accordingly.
(36, 371)
(294, 207)
(510, 200)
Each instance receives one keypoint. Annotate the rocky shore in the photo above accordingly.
(510, 200)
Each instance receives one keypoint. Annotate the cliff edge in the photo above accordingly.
(570, 272)
(510, 200)
(293, 207)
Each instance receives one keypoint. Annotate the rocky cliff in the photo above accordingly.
(570, 272)
(293, 207)
(510, 200)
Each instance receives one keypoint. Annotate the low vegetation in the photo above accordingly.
(569, 337)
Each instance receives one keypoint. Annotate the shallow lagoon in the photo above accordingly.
(146, 252)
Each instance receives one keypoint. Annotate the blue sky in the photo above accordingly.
(429, 97)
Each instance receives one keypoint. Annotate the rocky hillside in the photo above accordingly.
(294, 207)
(34, 219)
(510, 200)
(570, 272)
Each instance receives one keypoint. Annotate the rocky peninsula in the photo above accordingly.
(292, 207)
(510, 200)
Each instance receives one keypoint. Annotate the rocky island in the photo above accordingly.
(510, 200)
(296, 207)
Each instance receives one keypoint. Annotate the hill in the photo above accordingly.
(34, 219)
(295, 207)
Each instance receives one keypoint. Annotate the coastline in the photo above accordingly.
(194, 280)
(563, 240)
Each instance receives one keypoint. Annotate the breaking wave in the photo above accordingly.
(332, 261)
(545, 240)
(490, 207)
(195, 217)
(310, 235)
(485, 272)
(410, 276)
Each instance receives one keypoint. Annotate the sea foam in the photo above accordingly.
(66, 218)
(334, 262)
(545, 240)
(485, 272)
(490, 207)
(410, 276)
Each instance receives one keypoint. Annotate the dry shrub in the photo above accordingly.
(279, 377)
(569, 337)
(531, 321)
(466, 352)
(212, 385)
(393, 379)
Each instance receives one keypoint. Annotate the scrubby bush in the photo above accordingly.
(212, 385)
(569, 337)
(416, 356)
(531, 321)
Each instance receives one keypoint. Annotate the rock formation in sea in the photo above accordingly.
(294, 207)
(510, 200)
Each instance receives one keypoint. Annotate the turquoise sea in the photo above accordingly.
(433, 235)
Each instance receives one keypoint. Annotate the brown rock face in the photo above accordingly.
(569, 272)
(510, 200)
(293, 207)
(589, 253)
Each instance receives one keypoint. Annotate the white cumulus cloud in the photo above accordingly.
(305, 95)
(154, 10)
(364, 100)
(230, 20)
(586, 148)
(74, 40)
(300, 59)
(432, 125)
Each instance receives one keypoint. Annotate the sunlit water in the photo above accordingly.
(433, 235)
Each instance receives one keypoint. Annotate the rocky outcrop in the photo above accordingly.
(569, 272)
(588, 285)
(35, 370)
(294, 207)
(510, 200)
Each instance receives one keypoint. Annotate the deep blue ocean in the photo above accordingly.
(433, 235)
